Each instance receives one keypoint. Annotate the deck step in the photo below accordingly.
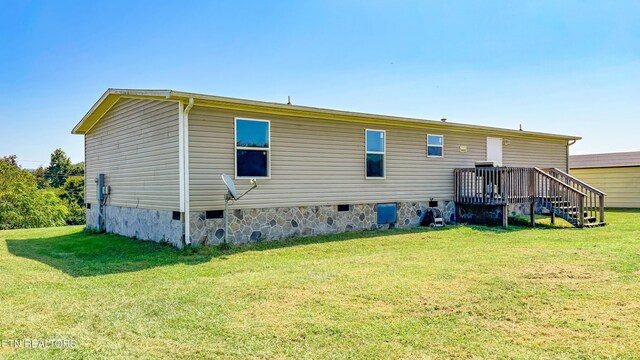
(551, 199)
(595, 224)
(568, 211)
(568, 208)
(575, 213)
(587, 219)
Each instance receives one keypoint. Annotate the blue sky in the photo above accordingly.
(570, 67)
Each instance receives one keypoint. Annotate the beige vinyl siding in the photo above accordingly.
(319, 162)
(622, 185)
(523, 152)
(136, 146)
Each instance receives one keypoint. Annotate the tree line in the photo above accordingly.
(46, 196)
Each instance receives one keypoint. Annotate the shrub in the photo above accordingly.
(76, 215)
(23, 205)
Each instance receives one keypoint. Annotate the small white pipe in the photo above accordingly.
(569, 143)
(189, 106)
(185, 143)
(181, 152)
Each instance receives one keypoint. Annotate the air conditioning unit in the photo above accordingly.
(486, 164)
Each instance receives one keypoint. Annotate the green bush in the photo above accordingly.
(73, 192)
(76, 215)
(23, 205)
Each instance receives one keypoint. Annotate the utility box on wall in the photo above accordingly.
(100, 187)
(100, 196)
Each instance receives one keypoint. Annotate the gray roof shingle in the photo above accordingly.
(621, 159)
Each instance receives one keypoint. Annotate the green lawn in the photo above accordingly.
(457, 292)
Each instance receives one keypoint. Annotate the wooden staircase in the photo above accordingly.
(570, 212)
(577, 202)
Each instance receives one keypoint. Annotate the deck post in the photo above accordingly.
(553, 216)
(532, 214)
(505, 216)
(601, 206)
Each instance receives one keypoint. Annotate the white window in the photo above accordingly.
(253, 148)
(435, 145)
(375, 153)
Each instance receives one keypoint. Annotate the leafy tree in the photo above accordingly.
(39, 173)
(10, 160)
(73, 193)
(73, 190)
(59, 168)
(50, 196)
(77, 215)
(77, 169)
(23, 205)
(11, 174)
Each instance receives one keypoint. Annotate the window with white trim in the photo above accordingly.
(253, 147)
(435, 145)
(375, 153)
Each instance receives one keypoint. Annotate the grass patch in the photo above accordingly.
(465, 291)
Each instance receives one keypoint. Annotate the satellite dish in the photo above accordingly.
(230, 186)
(232, 195)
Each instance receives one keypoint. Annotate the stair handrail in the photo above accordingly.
(539, 171)
(577, 195)
(578, 181)
(595, 202)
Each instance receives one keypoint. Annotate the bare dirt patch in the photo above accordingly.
(562, 272)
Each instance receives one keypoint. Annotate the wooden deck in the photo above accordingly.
(564, 196)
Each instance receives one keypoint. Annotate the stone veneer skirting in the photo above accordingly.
(143, 224)
(92, 217)
(251, 225)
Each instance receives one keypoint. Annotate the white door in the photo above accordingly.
(494, 150)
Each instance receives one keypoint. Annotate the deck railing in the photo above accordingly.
(493, 185)
(593, 202)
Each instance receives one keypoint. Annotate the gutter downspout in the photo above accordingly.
(185, 171)
(569, 143)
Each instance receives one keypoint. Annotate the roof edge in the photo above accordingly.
(107, 100)
(581, 167)
(111, 96)
(620, 159)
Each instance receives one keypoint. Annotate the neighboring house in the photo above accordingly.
(617, 174)
(162, 152)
